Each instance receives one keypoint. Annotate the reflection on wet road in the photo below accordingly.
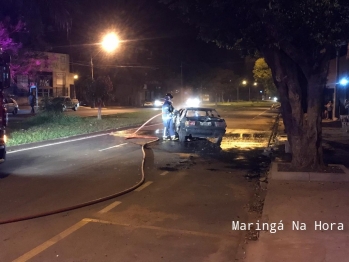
(240, 148)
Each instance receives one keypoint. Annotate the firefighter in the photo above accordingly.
(167, 118)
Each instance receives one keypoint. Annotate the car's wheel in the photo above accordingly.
(63, 108)
(182, 135)
(75, 108)
(15, 111)
(218, 140)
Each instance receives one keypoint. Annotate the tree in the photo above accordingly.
(262, 74)
(99, 91)
(297, 39)
(42, 18)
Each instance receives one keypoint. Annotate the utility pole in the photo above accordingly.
(182, 95)
(335, 100)
(91, 67)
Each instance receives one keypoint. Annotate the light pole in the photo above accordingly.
(244, 82)
(249, 93)
(76, 77)
(109, 43)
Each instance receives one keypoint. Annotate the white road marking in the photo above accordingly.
(110, 207)
(143, 186)
(168, 230)
(261, 114)
(64, 142)
(163, 173)
(53, 144)
(51, 242)
(147, 126)
(112, 147)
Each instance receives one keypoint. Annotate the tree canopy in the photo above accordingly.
(262, 74)
(296, 38)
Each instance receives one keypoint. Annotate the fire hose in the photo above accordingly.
(102, 199)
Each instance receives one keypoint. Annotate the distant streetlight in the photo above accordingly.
(75, 78)
(255, 83)
(344, 81)
(109, 43)
(244, 82)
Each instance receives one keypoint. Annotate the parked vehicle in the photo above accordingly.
(156, 103)
(66, 102)
(199, 122)
(11, 105)
(148, 103)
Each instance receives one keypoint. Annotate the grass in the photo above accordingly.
(46, 126)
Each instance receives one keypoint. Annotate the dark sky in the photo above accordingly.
(148, 27)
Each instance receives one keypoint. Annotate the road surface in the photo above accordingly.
(183, 211)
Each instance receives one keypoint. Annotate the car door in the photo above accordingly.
(9, 104)
(68, 102)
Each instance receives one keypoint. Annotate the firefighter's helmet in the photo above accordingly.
(168, 96)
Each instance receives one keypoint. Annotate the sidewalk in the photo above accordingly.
(315, 205)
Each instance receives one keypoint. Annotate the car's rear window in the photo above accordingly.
(202, 113)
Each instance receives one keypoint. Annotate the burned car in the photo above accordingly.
(199, 122)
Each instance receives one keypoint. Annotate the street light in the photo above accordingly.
(343, 82)
(75, 78)
(244, 82)
(109, 43)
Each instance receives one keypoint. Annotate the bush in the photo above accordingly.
(47, 105)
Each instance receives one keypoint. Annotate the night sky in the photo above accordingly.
(150, 28)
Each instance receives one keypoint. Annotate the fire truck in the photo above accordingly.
(5, 81)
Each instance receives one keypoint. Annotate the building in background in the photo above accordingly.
(52, 78)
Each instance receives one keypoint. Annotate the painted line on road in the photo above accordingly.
(261, 114)
(110, 207)
(143, 186)
(53, 144)
(51, 242)
(163, 173)
(112, 147)
(145, 126)
(168, 230)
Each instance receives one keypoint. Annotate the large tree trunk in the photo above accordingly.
(301, 99)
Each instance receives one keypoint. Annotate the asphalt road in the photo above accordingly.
(182, 212)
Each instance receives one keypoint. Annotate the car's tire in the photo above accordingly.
(15, 111)
(182, 135)
(63, 108)
(75, 108)
(218, 140)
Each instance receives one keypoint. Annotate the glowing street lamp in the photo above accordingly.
(109, 43)
(76, 77)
